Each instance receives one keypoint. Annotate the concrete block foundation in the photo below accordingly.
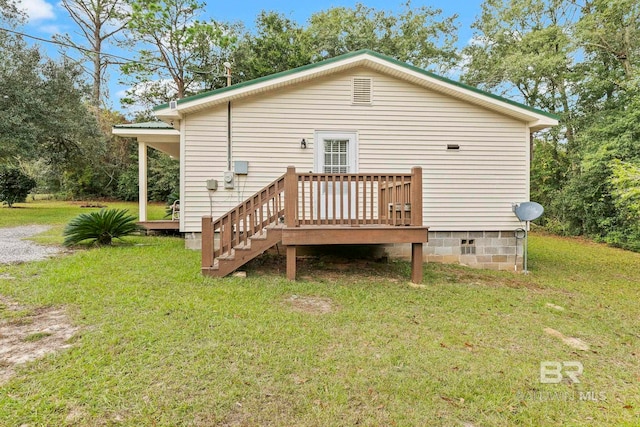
(495, 250)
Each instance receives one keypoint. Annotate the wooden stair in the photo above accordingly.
(243, 253)
(244, 232)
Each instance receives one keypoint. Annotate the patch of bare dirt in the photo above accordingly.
(576, 343)
(326, 268)
(310, 304)
(27, 338)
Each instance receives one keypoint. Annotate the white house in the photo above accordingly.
(359, 113)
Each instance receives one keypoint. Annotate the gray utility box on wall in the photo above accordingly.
(241, 167)
(212, 184)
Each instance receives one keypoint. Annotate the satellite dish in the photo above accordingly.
(528, 211)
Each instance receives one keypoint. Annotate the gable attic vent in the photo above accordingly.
(362, 90)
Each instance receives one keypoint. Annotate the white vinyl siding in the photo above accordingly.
(205, 157)
(467, 189)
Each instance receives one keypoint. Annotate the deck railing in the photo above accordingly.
(353, 199)
(311, 199)
(245, 220)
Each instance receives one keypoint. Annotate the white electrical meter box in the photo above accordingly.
(228, 179)
(241, 167)
(212, 184)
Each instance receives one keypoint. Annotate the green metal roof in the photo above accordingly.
(350, 55)
(144, 125)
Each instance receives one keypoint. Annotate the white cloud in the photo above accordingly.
(37, 10)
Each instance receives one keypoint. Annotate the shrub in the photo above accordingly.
(100, 227)
(14, 185)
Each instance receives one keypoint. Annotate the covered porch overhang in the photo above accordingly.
(157, 135)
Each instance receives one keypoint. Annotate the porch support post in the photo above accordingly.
(291, 262)
(142, 181)
(416, 262)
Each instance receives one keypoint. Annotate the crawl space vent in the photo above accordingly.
(362, 90)
(467, 247)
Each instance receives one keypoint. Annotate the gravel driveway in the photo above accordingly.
(14, 249)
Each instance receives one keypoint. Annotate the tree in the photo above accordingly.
(578, 59)
(279, 44)
(9, 13)
(525, 45)
(98, 21)
(177, 51)
(416, 35)
(626, 184)
(608, 134)
(611, 29)
(20, 101)
(14, 185)
(46, 118)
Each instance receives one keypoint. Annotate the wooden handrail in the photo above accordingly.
(245, 220)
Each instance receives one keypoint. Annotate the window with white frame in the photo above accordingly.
(336, 156)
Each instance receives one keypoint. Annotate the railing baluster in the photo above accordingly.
(357, 196)
(389, 198)
(268, 210)
(371, 207)
(340, 199)
(261, 208)
(333, 197)
(311, 197)
(303, 215)
(400, 196)
(319, 193)
(394, 199)
(245, 229)
(364, 199)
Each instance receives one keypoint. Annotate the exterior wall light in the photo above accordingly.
(303, 144)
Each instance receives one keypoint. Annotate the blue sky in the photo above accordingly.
(47, 18)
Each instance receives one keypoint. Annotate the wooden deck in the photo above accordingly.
(160, 225)
(300, 209)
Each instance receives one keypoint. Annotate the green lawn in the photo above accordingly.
(161, 345)
(58, 213)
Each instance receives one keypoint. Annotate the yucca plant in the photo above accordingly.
(100, 227)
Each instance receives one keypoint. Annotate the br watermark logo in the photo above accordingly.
(552, 372)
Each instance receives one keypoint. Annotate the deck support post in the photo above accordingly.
(290, 207)
(416, 220)
(416, 262)
(291, 262)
